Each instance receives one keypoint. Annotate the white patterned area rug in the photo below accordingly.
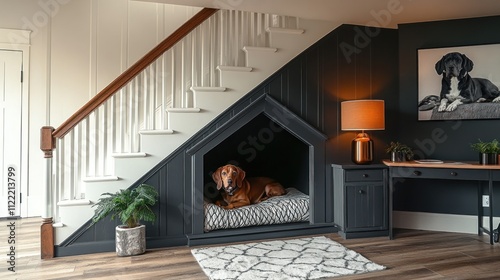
(297, 259)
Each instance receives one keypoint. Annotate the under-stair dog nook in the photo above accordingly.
(265, 139)
(172, 92)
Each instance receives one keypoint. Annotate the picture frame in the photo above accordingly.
(485, 64)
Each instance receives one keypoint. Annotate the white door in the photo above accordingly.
(10, 125)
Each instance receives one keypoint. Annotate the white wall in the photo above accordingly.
(77, 48)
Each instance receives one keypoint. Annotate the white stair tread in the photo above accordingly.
(129, 155)
(284, 30)
(260, 49)
(234, 68)
(101, 179)
(156, 132)
(183, 110)
(208, 89)
(73, 202)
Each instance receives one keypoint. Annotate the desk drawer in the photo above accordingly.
(439, 173)
(496, 175)
(364, 175)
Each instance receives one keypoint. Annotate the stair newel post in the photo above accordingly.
(47, 145)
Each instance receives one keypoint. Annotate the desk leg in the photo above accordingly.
(391, 194)
(480, 209)
(490, 194)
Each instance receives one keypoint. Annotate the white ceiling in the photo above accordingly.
(384, 13)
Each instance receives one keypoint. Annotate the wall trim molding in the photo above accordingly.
(439, 222)
(15, 37)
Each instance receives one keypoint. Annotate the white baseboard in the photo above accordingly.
(439, 222)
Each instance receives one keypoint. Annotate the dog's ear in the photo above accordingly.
(240, 177)
(467, 64)
(440, 66)
(216, 177)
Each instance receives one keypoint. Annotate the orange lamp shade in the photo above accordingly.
(363, 114)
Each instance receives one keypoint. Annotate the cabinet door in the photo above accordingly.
(365, 205)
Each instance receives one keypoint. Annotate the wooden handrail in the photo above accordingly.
(132, 72)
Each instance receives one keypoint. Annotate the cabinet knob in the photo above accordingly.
(361, 191)
(453, 173)
(417, 173)
(365, 175)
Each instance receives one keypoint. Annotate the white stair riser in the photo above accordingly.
(216, 102)
(73, 217)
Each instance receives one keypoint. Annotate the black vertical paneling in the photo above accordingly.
(312, 75)
(384, 85)
(363, 61)
(329, 109)
(175, 196)
(295, 81)
(330, 80)
(358, 68)
(278, 87)
(158, 228)
(345, 89)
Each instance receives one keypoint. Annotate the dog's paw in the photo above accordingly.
(452, 107)
(221, 203)
(442, 108)
(496, 99)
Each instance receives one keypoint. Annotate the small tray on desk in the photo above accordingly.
(429, 161)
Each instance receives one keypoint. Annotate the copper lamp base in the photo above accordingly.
(362, 149)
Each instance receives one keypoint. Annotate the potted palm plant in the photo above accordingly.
(131, 206)
(488, 151)
(399, 152)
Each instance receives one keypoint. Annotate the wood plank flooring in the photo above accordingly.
(411, 255)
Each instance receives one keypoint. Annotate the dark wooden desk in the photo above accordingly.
(447, 171)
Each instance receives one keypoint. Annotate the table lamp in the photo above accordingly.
(361, 115)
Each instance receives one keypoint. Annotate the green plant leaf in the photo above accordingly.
(400, 147)
(129, 205)
(492, 147)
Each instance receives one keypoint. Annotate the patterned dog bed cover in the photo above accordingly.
(292, 207)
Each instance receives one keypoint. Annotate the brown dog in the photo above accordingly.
(239, 191)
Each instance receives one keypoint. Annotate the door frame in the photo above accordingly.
(19, 40)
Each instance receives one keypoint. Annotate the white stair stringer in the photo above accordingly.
(184, 123)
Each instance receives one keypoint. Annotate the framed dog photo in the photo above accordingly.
(459, 83)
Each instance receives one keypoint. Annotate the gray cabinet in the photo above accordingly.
(360, 197)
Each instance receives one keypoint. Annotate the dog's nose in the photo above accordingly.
(230, 181)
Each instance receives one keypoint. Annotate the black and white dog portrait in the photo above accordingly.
(458, 87)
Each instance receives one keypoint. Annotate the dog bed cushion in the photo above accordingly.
(288, 208)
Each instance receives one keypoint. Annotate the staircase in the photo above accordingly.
(167, 103)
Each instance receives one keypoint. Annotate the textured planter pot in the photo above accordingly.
(398, 156)
(130, 241)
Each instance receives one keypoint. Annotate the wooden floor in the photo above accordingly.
(411, 255)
